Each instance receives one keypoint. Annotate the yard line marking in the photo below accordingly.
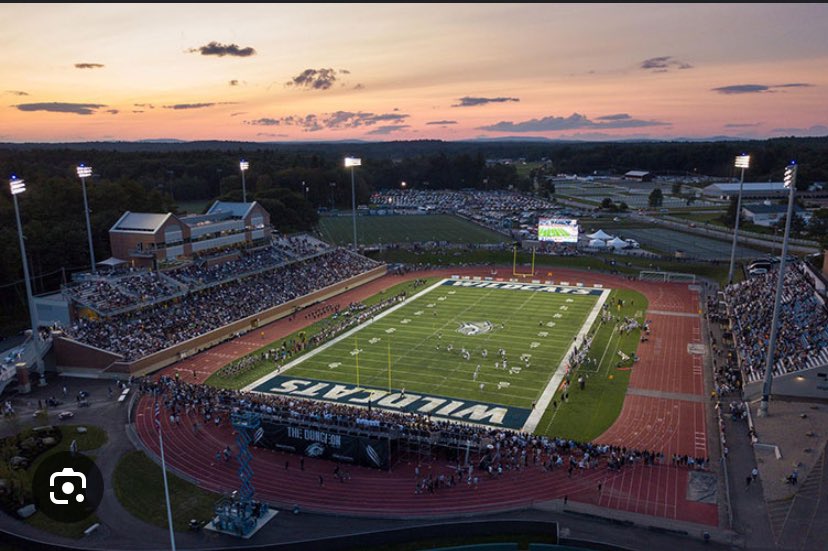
(344, 335)
(549, 392)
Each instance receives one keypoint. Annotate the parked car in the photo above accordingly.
(63, 415)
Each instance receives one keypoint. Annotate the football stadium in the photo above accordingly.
(324, 291)
(285, 374)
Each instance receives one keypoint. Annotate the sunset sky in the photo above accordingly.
(260, 72)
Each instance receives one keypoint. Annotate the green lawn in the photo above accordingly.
(139, 486)
(410, 336)
(263, 368)
(541, 325)
(373, 230)
(591, 411)
(94, 438)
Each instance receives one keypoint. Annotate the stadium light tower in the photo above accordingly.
(85, 172)
(743, 162)
(790, 183)
(351, 162)
(243, 166)
(18, 186)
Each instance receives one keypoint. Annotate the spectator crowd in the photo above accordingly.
(803, 327)
(143, 331)
(497, 450)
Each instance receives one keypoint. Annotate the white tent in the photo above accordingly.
(597, 243)
(617, 243)
(632, 243)
(600, 234)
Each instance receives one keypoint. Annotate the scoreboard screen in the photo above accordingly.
(559, 230)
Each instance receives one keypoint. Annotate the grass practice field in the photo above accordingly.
(373, 230)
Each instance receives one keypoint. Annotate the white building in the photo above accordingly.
(763, 214)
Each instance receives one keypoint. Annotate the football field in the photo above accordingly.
(477, 351)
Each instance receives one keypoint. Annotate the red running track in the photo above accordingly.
(652, 490)
(648, 420)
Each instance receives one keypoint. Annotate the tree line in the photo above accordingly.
(294, 181)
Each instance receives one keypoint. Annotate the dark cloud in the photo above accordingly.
(137, 110)
(237, 113)
(817, 130)
(347, 119)
(179, 106)
(441, 122)
(61, 107)
(144, 105)
(271, 135)
(743, 125)
(234, 82)
(89, 65)
(16, 92)
(359, 87)
(332, 121)
(616, 117)
(113, 111)
(385, 130)
(664, 63)
(572, 122)
(472, 102)
(221, 50)
(188, 106)
(317, 79)
(264, 121)
(757, 88)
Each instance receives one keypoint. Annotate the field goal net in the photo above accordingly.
(671, 277)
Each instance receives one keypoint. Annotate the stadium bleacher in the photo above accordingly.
(802, 341)
(250, 285)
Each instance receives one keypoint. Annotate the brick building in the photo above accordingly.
(144, 239)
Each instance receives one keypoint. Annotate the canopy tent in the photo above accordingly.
(632, 243)
(597, 243)
(617, 243)
(112, 263)
(600, 234)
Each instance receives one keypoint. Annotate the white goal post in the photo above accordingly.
(670, 277)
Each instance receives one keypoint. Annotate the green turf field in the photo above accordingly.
(372, 230)
(531, 325)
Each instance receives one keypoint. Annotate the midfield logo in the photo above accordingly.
(474, 328)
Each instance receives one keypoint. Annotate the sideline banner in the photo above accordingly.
(314, 442)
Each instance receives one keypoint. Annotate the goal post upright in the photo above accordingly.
(514, 264)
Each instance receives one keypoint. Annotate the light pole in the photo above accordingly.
(352, 162)
(18, 186)
(85, 172)
(790, 183)
(743, 162)
(244, 165)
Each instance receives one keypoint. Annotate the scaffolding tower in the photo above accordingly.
(240, 514)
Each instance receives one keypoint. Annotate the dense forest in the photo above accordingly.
(292, 181)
